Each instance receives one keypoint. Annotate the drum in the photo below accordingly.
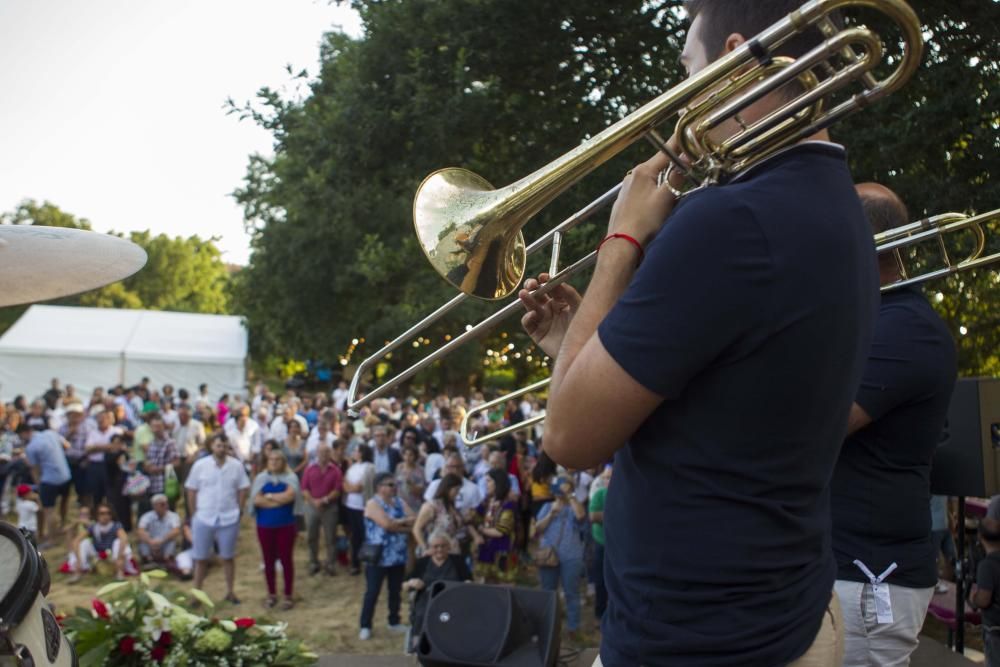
(30, 636)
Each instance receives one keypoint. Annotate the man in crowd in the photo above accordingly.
(189, 439)
(469, 496)
(322, 484)
(386, 457)
(75, 430)
(99, 442)
(161, 453)
(217, 489)
(50, 470)
(880, 500)
(158, 531)
(716, 358)
(242, 434)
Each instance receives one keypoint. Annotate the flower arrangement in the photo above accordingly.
(132, 624)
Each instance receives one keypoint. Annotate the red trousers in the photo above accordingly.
(277, 544)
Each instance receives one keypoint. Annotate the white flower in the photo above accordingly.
(155, 626)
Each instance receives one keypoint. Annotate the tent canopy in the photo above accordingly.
(103, 347)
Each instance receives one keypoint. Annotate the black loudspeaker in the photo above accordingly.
(966, 461)
(476, 625)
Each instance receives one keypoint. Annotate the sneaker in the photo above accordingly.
(330, 571)
(365, 634)
(314, 568)
(399, 628)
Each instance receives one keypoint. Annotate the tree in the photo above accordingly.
(489, 86)
(937, 143)
(182, 274)
(485, 85)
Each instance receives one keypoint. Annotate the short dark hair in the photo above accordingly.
(884, 213)
(721, 18)
(367, 453)
(382, 478)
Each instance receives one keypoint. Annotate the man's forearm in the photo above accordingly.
(615, 267)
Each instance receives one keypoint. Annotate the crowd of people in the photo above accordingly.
(145, 477)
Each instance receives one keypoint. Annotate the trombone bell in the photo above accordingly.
(452, 211)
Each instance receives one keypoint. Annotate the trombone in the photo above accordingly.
(931, 230)
(471, 233)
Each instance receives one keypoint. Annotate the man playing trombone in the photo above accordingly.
(727, 345)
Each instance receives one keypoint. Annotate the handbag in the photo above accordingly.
(370, 553)
(547, 556)
(137, 485)
(171, 485)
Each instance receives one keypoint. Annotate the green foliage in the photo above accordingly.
(182, 274)
(486, 85)
(937, 143)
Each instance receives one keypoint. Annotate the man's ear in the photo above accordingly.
(733, 42)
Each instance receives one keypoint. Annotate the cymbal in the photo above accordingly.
(39, 263)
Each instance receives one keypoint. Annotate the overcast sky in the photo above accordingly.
(113, 109)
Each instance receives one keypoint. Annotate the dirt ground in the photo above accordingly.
(326, 609)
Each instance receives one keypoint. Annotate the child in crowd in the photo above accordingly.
(27, 509)
(78, 531)
(984, 594)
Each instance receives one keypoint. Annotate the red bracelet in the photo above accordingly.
(638, 246)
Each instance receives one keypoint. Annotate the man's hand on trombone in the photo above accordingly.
(548, 316)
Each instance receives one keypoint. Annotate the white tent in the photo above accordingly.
(103, 347)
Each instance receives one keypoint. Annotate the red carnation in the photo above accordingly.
(126, 646)
(165, 639)
(158, 653)
(100, 608)
(102, 554)
(244, 622)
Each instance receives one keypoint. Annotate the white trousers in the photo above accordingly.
(86, 555)
(871, 644)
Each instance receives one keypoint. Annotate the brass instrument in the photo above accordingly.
(471, 233)
(929, 230)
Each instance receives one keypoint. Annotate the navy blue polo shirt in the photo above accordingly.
(752, 316)
(881, 486)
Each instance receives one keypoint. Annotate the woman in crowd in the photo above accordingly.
(269, 446)
(440, 514)
(410, 479)
(104, 540)
(273, 499)
(497, 519)
(558, 526)
(542, 475)
(440, 564)
(387, 521)
(295, 448)
(358, 487)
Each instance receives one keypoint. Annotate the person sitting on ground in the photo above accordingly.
(105, 540)
(158, 532)
(985, 595)
(28, 506)
(440, 564)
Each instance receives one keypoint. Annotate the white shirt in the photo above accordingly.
(356, 475)
(218, 490)
(27, 514)
(98, 437)
(312, 442)
(156, 527)
(339, 398)
(243, 441)
(468, 497)
(434, 463)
